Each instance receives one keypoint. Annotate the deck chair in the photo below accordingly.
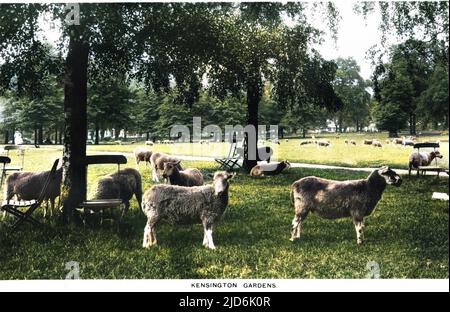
(23, 210)
(98, 206)
(235, 154)
(425, 169)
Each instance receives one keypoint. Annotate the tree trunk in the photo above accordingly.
(147, 136)
(6, 137)
(74, 177)
(97, 133)
(60, 140)
(36, 136)
(40, 135)
(253, 99)
(412, 124)
(304, 133)
(56, 136)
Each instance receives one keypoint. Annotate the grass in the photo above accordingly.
(339, 154)
(407, 235)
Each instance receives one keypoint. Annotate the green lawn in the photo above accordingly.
(407, 235)
(338, 154)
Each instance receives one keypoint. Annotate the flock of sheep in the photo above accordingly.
(186, 200)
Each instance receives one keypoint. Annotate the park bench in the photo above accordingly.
(425, 169)
(95, 206)
(23, 210)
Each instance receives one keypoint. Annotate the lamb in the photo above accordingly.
(408, 141)
(367, 142)
(158, 160)
(376, 143)
(142, 154)
(123, 184)
(269, 169)
(397, 141)
(340, 199)
(186, 205)
(28, 186)
(419, 159)
(186, 177)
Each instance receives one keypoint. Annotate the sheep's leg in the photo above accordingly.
(52, 206)
(155, 174)
(359, 227)
(147, 243)
(207, 239)
(297, 225)
(153, 239)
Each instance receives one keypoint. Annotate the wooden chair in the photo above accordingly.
(425, 169)
(23, 210)
(98, 206)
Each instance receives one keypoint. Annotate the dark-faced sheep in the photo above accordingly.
(158, 160)
(142, 154)
(330, 199)
(186, 205)
(269, 169)
(422, 159)
(186, 177)
(376, 143)
(367, 142)
(121, 185)
(28, 186)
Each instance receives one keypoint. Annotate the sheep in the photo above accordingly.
(387, 141)
(340, 199)
(376, 143)
(28, 186)
(324, 143)
(422, 159)
(308, 142)
(397, 141)
(352, 142)
(367, 142)
(123, 184)
(142, 154)
(149, 143)
(157, 161)
(186, 177)
(186, 205)
(269, 169)
(409, 141)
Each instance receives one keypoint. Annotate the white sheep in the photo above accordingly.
(186, 205)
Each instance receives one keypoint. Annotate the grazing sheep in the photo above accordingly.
(422, 159)
(409, 141)
(28, 186)
(158, 160)
(186, 205)
(352, 142)
(376, 143)
(346, 141)
(269, 169)
(142, 154)
(387, 141)
(324, 143)
(397, 141)
(367, 142)
(308, 142)
(123, 185)
(186, 177)
(340, 199)
(149, 143)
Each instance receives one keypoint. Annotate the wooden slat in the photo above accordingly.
(13, 168)
(100, 204)
(15, 203)
(426, 145)
(105, 159)
(5, 160)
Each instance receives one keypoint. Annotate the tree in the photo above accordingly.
(389, 117)
(352, 90)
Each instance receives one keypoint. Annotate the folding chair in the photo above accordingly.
(235, 154)
(98, 206)
(23, 210)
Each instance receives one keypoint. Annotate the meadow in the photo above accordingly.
(338, 154)
(407, 236)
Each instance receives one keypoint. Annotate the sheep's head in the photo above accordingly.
(170, 168)
(287, 163)
(436, 154)
(391, 177)
(220, 181)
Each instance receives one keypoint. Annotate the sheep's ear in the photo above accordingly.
(230, 175)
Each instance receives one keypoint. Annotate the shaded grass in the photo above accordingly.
(407, 235)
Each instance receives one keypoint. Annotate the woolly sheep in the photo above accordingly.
(186, 177)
